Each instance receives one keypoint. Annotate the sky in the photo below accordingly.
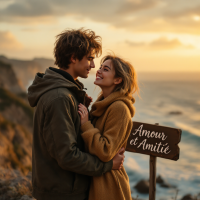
(154, 35)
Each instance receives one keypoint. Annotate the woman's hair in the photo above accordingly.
(126, 71)
(76, 43)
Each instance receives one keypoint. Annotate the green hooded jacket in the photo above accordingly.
(61, 168)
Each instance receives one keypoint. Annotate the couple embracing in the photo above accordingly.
(78, 155)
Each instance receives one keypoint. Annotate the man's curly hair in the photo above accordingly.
(76, 43)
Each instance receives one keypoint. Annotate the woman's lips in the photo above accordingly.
(98, 78)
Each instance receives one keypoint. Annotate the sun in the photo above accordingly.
(196, 18)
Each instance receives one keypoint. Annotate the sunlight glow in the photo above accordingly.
(196, 18)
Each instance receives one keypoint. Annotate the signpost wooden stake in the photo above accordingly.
(155, 141)
(152, 176)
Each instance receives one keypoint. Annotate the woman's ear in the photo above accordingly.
(117, 80)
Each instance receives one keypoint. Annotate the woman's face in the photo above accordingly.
(105, 75)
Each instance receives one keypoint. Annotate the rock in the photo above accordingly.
(15, 185)
(163, 183)
(8, 78)
(159, 179)
(25, 70)
(26, 197)
(188, 197)
(29, 176)
(17, 173)
(21, 181)
(142, 186)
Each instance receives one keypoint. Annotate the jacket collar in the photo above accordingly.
(51, 80)
(101, 104)
(67, 76)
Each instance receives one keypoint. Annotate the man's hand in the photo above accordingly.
(88, 100)
(119, 159)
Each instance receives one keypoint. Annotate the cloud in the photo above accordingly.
(30, 29)
(24, 8)
(8, 41)
(32, 8)
(104, 10)
(132, 15)
(164, 43)
(131, 6)
(135, 44)
(186, 12)
(161, 43)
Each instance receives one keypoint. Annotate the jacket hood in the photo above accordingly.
(48, 81)
(101, 105)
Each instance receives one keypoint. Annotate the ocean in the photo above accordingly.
(173, 103)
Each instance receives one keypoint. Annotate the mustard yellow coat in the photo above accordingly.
(104, 137)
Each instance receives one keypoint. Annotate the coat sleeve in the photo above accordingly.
(116, 132)
(61, 141)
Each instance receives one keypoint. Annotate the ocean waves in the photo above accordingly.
(188, 128)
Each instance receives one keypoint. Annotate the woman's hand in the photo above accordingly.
(82, 110)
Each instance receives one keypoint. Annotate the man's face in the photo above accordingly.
(83, 67)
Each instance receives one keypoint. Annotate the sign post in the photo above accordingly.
(152, 178)
(156, 141)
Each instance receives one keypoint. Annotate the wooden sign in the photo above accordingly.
(158, 141)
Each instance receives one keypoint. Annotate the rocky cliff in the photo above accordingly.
(15, 122)
(8, 79)
(25, 70)
(16, 118)
(15, 132)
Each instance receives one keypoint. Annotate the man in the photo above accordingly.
(61, 168)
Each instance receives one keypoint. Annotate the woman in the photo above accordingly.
(110, 125)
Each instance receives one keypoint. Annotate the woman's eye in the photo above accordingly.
(105, 69)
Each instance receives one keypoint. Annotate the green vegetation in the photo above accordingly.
(14, 161)
(22, 95)
(29, 168)
(12, 158)
(15, 149)
(19, 151)
(4, 65)
(26, 133)
(4, 124)
(7, 99)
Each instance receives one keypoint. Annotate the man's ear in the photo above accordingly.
(117, 80)
(73, 59)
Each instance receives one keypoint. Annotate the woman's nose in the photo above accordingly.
(99, 71)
